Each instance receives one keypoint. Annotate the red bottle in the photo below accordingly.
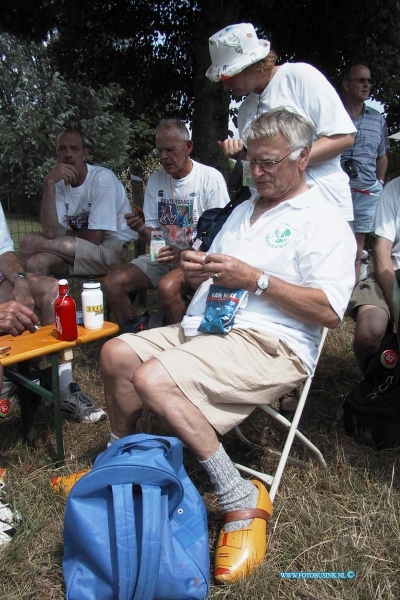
(65, 313)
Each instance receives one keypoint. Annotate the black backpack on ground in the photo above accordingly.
(371, 411)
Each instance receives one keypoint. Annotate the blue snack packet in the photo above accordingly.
(221, 306)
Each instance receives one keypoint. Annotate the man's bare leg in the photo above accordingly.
(44, 256)
(370, 330)
(44, 290)
(118, 284)
(171, 289)
(127, 387)
(360, 239)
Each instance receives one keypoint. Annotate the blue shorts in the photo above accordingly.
(364, 206)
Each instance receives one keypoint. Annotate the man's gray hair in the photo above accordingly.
(175, 124)
(297, 131)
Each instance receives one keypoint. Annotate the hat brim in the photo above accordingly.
(217, 73)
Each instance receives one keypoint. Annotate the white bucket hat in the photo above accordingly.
(233, 49)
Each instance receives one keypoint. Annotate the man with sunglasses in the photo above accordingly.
(175, 198)
(366, 162)
(293, 253)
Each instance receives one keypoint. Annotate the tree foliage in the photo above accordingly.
(157, 51)
(36, 103)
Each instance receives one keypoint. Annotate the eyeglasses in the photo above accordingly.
(362, 80)
(268, 166)
(159, 151)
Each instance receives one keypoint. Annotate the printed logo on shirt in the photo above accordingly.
(161, 193)
(170, 213)
(279, 238)
(193, 194)
(79, 221)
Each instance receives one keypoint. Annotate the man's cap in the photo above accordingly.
(233, 49)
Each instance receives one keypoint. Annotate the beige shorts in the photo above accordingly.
(368, 291)
(91, 259)
(153, 271)
(225, 376)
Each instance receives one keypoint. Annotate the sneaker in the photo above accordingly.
(135, 324)
(9, 522)
(288, 402)
(78, 406)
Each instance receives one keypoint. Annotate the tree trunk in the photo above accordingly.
(211, 101)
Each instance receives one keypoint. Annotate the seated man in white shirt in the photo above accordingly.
(82, 217)
(371, 303)
(293, 253)
(176, 196)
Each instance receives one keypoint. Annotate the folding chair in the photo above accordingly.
(274, 480)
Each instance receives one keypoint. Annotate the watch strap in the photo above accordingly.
(17, 275)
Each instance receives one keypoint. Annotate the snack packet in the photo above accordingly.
(156, 243)
(221, 307)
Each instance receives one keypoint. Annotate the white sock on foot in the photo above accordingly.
(65, 376)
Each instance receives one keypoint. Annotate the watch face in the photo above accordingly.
(263, 282)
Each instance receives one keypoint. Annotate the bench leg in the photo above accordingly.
(26, 404)
(57, 408)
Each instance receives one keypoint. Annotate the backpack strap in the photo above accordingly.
(125, 538)
(134, 583)
(150, 552)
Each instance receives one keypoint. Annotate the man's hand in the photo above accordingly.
(231, 147)
(61, 171)
(15, 318)
(169, 254)
(134, 221)
(231, 272)
(192, 264)
(22, 293)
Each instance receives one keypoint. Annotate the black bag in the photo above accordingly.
(371, 411)
(211, 221)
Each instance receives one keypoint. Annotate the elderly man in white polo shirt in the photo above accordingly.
(292, 252)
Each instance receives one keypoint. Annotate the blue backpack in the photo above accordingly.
(136, 527)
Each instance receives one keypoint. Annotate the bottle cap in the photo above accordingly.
(389, 359)
(5, 407)
(63, 282)
(90, 285)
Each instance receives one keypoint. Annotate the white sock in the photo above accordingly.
(65, 376)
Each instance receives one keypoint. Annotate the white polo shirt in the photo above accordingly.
(304, 241)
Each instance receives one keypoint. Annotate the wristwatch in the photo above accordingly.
(262, 284)
(23, 275)
(382, 181)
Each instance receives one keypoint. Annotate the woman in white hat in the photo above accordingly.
(246, 65)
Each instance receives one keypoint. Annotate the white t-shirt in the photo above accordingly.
(169, 201)
(99, 203)
(303, 241)
(6, 243)
(303, 88)
(387, 218)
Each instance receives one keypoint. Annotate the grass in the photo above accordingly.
(341, 519)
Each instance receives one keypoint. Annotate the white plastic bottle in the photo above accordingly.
(92, 305)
